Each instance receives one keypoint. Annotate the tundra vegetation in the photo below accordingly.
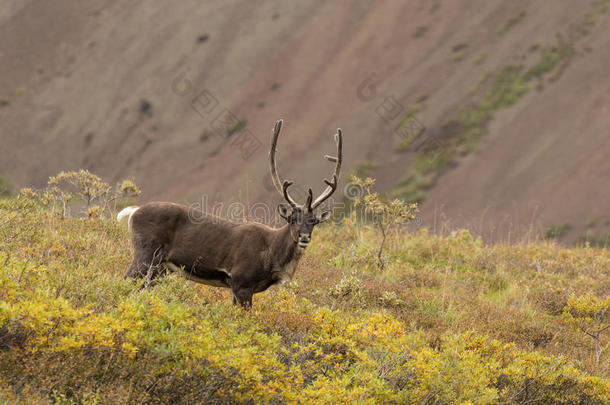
(449, 320)
(512, 21)
(6, 186)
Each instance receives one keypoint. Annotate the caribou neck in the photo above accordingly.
(285, 245)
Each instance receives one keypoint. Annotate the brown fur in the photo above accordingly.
(246, 257)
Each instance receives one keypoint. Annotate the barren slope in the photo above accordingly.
(133, 89)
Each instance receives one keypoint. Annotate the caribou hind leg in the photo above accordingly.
(147, 263)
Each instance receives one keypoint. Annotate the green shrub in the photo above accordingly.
(514, 20)
(557, 231)
(6, 186)
(236, 127)
(419, 32)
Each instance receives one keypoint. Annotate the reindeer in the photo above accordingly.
(246, 257)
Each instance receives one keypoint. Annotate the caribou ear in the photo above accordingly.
(285, 211)
(324, 216)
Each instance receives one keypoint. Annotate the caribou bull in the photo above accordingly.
(246, 257)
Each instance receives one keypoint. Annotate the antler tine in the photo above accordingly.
(332, 184)
(309, 198)
(274, 176)
(279, 186)
(285, 186)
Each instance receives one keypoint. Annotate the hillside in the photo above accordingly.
(449, 320)
(513, 96)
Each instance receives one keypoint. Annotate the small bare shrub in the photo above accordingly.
(386, 215)
(349, 286)
(67, 186)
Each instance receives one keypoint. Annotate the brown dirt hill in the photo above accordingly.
(133, 90)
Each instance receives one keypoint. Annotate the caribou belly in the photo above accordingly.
(217, 279)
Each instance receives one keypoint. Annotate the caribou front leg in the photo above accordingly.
(243, 296)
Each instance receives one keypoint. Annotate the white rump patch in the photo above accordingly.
(126, 212)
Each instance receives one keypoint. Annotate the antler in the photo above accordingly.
(332, 184)
(281, 188)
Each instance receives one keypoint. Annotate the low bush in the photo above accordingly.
(449, 320)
